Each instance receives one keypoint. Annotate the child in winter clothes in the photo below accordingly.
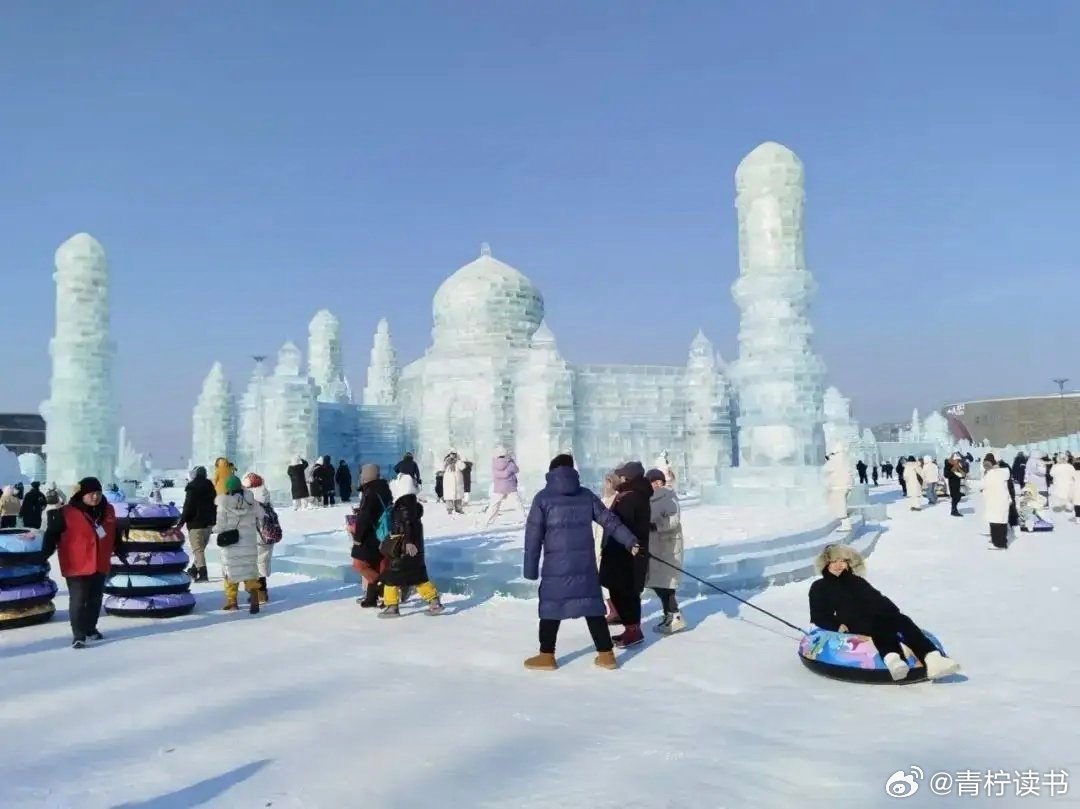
(255, 484)
(406, 568)
(223, 470)
(842, 600)
(237, 510)
(1030, 507)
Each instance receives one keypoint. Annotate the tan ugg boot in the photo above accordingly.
(542, 662)
(605, 660)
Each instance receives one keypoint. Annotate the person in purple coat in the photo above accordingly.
(560, 526)
(504, 472)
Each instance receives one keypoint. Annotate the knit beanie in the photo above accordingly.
(233, 485)
(368, 473)
(562, 459)
(88, 485)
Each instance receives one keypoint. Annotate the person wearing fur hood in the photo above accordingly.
(238, 511)
(838, 485)
(1061, 473)
(842, 600)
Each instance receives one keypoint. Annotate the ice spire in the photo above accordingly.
(130, 465)
(383, 372)
(707, 428)
(80, 438)
(213, 420)
(325, 365)
(290, 420)
(249, 434)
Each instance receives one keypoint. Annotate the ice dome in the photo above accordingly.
(82, 252)
(486, 301)
(768, 162)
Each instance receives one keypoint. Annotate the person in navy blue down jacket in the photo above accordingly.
(560, 526)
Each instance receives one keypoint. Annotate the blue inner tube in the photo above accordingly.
(26, 616)
(21, 546)
(27, 595)
(133, 584)
(22, 574)
(166, 606)
(845, 656)
(151, 563)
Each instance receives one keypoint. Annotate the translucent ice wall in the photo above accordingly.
(249, 431)
(80, 415)
(383, 372)
(214, 421)
(325, 366)
(708, 426)
(543, 410)
(32, 466)
(778, 376)
(130, 465)
(291, 420)
(841, 433)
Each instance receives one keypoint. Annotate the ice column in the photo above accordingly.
(213, 421)
(841, 433)
(708, 433)
(383, 373)
(325, 366)
(543, 409)
(80, 416)
(290, 420)
(130, 465)
(779, 378)
(249, 433)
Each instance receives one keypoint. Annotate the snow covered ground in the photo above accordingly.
(315, 703)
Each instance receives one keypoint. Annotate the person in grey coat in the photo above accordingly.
(666, 549)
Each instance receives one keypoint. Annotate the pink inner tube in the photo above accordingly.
(27, 595)
(168, 606)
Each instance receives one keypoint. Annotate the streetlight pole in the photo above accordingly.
(1061, 398)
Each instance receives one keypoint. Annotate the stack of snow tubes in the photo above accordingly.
(149, 581)
(26, 591)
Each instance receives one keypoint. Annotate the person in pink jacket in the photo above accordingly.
(504, 472)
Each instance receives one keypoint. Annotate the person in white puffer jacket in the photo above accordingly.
(1061, 490)
(996, 501)
(238, 511)
(930, 477)
(912, 483)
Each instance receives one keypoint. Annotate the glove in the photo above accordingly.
(411, 550)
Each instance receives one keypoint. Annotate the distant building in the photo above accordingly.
(22, 432)
(1017, 420)
(888, 432)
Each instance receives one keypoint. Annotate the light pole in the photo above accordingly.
(1061, 398)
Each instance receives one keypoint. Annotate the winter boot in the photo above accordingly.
(542, 662)
(675, 624)
(202, 575)
(78, 644)
(612, 615)
(898, 669)
(371, 596)
(264, 593)
(661, 627)
(938, 666)
(390, 612)
(254, 597)
(631, 637)
(605, 660)
(435, 607)
(193, 571)
(230, 605)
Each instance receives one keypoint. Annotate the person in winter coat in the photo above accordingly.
(375, 498)
(298, 483)
(343, 478)
(454, 483)
(406, 568)
(997, 501)
(842, 600)
(607, 497)
(860, 467)
(466, 479)
(84, 532)
(1060, 490)
(1019, 469)
(874, 475)
(954, 477)
(314, 481)
(1076, 491)
(621, 572)
(930, 476)
(504, 472)
(1014, 512)
(838, 484)
(1035, 473)
(559, 529)
(238, 511)
(900, 476)
(199, 515)
(9, 508)
(324, 470)
(54, 497)
(665, 550)
(33, 505)
(254, 483)
(223, 470)
(663, 463)
(913, 483)
(407, 466)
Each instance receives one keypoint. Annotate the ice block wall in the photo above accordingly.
(290, 421)
(249, 432)
(80, 414)
(544, 415)
(214, 421)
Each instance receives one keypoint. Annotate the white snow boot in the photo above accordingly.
(674, 624)
(898, 669)
(938, 666)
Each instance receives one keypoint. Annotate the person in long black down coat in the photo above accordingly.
(326, 480)
(1019, 469)
(622, 573)
(298, 483)
(343, 478)
(375, 497)
(900, 476)
(33, 505)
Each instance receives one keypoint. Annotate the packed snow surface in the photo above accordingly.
(316, 703)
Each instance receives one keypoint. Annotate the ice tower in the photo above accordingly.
(841, 433)
(383, 372)
(708, 434)
(325, 365)
(214, 421)
(544, 409)
(80, 429)
(290, 420)
(249, 433)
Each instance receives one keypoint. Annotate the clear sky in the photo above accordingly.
(245, 164)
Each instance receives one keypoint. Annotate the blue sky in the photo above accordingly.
(245, 164)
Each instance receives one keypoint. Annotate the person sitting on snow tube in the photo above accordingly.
(842, 600)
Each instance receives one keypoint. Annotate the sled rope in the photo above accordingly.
(725, 592)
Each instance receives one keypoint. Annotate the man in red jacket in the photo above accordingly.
(84, 531)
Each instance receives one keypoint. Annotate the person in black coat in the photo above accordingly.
(325, 471)
(860, 467)
(407, 466)
(375, 498)
(954, 476)
(1014, 512)
(1019, 469)
(406, 568)
(621, 572)
(842, 600)
(900, 476)
(199, 515)
(298, 483)
(343, 478)
(33, 505)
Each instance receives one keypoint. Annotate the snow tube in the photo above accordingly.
(27, 595)
(146, 539)
(22, 574)
(1042, 525)
(132, 584)
(152, 515)
(168, 606)
(26, 616)
(151, 562)
(113, 496)
(21, 546)
(844, 656)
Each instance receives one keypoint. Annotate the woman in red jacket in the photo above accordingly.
(84, 531)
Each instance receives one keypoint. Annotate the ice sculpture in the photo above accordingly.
(935, 430)
(32, 466)
(383, 372)
(868, 448)
(249, 433)
(130, 465)
(325, 366)
(544, 409)
(290, 420)
(214, 421)
(841, 432)
(80, 414)
(708, 433)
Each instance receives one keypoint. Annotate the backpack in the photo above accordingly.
(382, 527)
(269, 525)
